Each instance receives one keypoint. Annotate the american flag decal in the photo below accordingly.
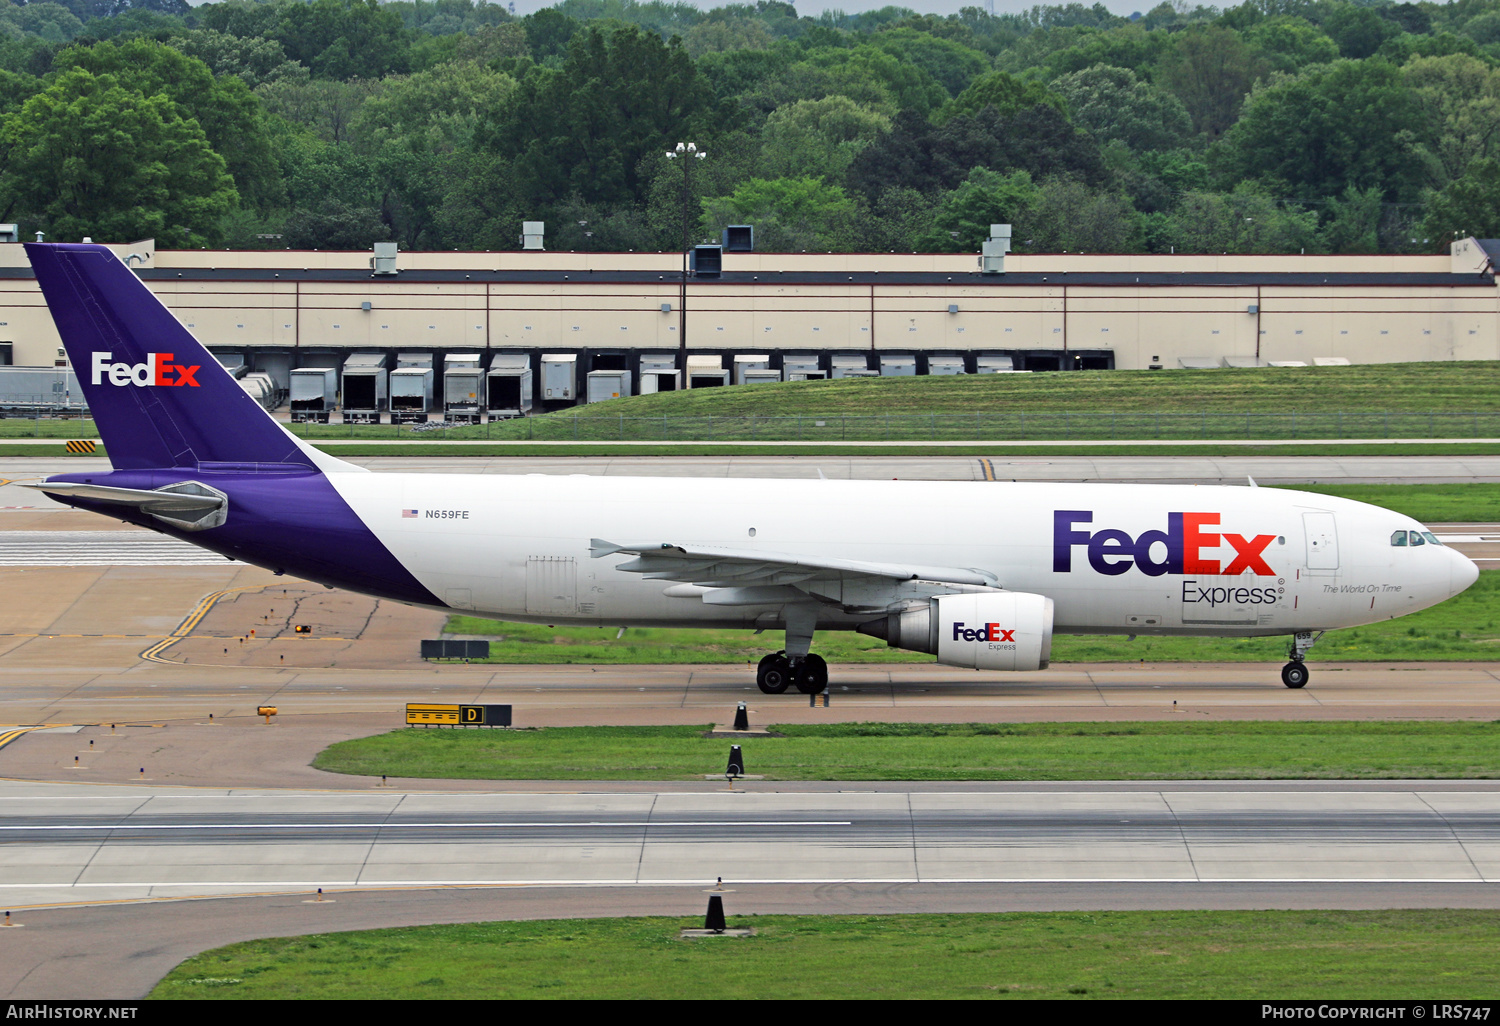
(408, 514)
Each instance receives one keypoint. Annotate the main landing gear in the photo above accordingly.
(1294, 674)
(778, 671)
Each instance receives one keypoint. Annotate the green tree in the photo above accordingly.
(1243, 221)
(1350, 123)
(718, 35)
(224, 108)
(789, 214)
(438, 110)
(1113, 104)
(1352, 224)
(584, 127)
(1068, 216)
(251, 60)
(1211, 70)
(951, 64)
(1358, 31)
(963, 217)
(1289, 44)
(88, 157)
(1468, 206)
(1005, 93)
(1459, 99)
(818, 136)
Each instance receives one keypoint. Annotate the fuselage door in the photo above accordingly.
(1322, 541)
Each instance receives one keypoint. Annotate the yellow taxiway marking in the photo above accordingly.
(988, 468)
(11, 732)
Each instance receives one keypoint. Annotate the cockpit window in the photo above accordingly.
(1431, 537)
(1416, 538)
(1399, 539)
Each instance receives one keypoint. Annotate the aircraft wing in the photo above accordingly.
(714, 567)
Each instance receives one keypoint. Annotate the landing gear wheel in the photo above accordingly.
(1294, 675)
(774, 674)
(812, 675)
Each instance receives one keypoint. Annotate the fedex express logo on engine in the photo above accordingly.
(989, 632)
(157, 370)
(1181, 547)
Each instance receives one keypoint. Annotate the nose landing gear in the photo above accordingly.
(1294, 674)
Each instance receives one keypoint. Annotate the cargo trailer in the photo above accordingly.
(366, 388)
(411, 388)
(801, 367)
(40, 390)
(659, 373)
(706, 372)
(507, 386)
(315, 393)
(607, 384)
(849, 365)
(744, 363)
(463, 398)
(559, 376)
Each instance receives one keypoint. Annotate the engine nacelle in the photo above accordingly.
(1004, 630)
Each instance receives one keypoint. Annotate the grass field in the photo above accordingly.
(1439, 954)
(1186, 749)
(1465, 628)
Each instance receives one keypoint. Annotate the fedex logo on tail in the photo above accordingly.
(158, 370)
(1182, 546)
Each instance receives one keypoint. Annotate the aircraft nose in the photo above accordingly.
(1463, 573)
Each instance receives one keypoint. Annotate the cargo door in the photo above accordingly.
(1322, 543)
(551, 585)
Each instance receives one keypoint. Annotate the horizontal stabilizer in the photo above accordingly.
(188, 505)
(146, 499)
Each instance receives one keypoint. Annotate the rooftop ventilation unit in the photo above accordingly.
(992, 253)
(384, 260)
(739, 238)
(708, 261)
(531, 234)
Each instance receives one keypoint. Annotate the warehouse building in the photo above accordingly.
(571, 327)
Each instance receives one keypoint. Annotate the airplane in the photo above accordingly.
(979, 574)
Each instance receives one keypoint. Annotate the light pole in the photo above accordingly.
(688, 152)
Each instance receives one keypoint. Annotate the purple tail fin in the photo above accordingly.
(159, 398)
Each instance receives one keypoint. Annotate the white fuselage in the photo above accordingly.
(517, 548)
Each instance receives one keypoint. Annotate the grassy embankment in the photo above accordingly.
(1465, 628)
(1442, 954)
(1187, 749)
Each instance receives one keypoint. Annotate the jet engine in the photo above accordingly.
(1002, 630)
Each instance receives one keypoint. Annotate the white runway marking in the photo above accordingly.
(100, 548)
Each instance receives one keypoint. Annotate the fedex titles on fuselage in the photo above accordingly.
(1182, 546)
(158, 370)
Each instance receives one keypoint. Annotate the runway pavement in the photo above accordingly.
(64, 843)
(385, 859)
